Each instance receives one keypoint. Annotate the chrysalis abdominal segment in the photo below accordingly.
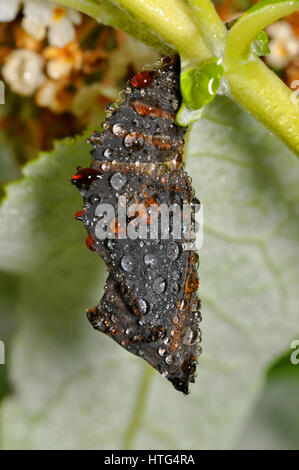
(150, 306)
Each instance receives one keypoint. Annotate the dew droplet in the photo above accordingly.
(108, 153)
(159, 285)
(176, 161)
(89, 242)
(172, 251)
(142, 79)
(79, 215)
(170, 77)
(182, 304)
(95, 199)
(96, 138)
(175, 288)
(189, 337)
(85, 176)
(118, 181)
(192, 284)
(110, 245)
(175, 105)
(114, 318)
(105, 166)
(161, 351)
(110, 108)
(149, 260)
(169, 360)
(142, 306)
(176, 275)
(195, 305)
(136, 181)
(134, 141)
(118, 130)
(195, 203)
(194, 258)
(158, 333)
(162, 141)
(127, 263)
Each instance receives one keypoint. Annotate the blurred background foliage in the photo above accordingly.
(55, 362)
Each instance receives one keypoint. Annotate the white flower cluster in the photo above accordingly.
(23, 69)
(284, 45)
(42, 17)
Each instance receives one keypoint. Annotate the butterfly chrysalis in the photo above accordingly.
(150, 306)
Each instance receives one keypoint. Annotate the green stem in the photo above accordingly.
(251, 23)
(210, 24)
(89, 7)
(104, 11)
(267, 98)
(139, 408)
(252, 83)
(169, 23)
(173, 21)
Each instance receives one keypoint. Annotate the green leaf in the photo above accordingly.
(273, 423)
(9, 167)
(186, 115)
(8, 301)
(75, 388)
(199, 85)
(260, 45)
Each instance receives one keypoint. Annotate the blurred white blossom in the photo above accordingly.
(46, 96)
(9, 10)
(284, 45)
(23, 71)
(61, 26)
(61, 61)
(42, 17)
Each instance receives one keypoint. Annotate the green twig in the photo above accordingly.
(210, 24)
(253, 84)
(173, 21)
(171, 24)
(251, 23)
(106, 12)
(268, 99)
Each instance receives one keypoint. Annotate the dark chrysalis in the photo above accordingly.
(150, 306)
